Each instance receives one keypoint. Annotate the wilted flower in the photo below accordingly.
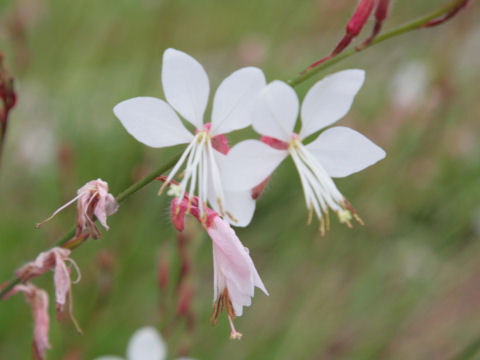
(145, 344)
(54, 259)
(337, 152)
(94, 201)
(153, 122)
(234, 274)
(38, 300)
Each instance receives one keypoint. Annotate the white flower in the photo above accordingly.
(145, 344)
(153, 122)
(336, 152)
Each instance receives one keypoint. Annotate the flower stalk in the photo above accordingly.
(445, 12)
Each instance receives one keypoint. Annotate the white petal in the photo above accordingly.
(146, 344)
(241, 205)
(275, 111)
(185, 84)
(343, 151)
(329, 100)
(152, 121)
(237, 203)
(232, 105)
(249, 163)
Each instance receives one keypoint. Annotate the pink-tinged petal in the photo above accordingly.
(185, 84)
(232, 104)
(249, 163)
(220, 143)
(106, 206)
(94, 202)
(146, 344)
(41, 323)
(152, 122)
(275, 111)
(343, 151)
(38, 300)
(61, 279)
(233, 267)
(329, 100)
(45, 261)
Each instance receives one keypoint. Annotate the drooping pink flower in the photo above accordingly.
(55, 259)
(38, 300)
(94, 201)
(235, 276)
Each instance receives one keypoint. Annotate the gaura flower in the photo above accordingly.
(337, 152)
(155, 123)
(38, 300)
(55, 259)
(145, 344)
(94, 201)
(234, 274)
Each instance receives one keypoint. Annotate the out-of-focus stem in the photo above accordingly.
(3, 132)
(120, 197)
(410, 26)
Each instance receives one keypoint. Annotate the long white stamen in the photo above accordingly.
(203, 189)
(190, 170)
(320, 191)
(217, 186)
(177, 165)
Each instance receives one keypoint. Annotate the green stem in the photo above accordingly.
(3, 133)
(120, 198)
(413, 25)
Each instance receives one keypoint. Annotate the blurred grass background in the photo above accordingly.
(404, 286)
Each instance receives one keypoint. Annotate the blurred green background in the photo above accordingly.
(404, 286)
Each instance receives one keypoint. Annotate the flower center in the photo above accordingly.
(201, 169)
(319, 190)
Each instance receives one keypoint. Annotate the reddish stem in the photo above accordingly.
(448, 15)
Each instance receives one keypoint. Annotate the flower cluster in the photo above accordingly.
(230, 180)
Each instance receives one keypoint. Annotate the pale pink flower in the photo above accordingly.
(38, 300)
(94, 201)
(157, 123)
(55, 259)
(235, 276)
